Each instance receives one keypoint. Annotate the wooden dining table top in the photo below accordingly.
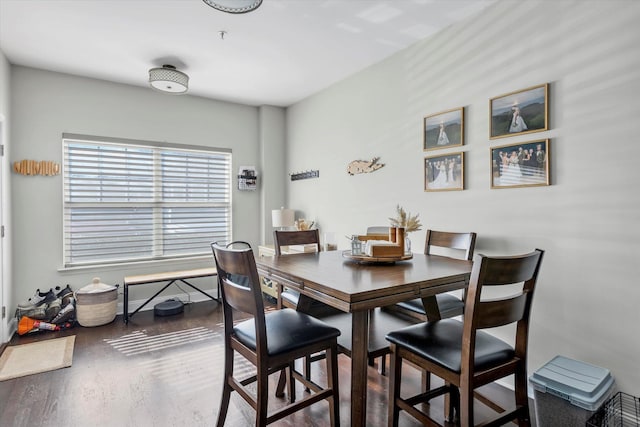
(349, 286)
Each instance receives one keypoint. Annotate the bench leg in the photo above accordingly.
(199, 290)
(149, 300)
(125, 304)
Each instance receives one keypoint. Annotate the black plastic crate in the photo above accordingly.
(622, 410)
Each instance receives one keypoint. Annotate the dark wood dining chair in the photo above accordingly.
(272, 342)
(289, 297)
(463, 354)
(453, 245)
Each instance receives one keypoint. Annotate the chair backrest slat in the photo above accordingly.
(238, 296)
(500, 312)
(378, 230)
(464, 242)
(288, 238)
(508, 270)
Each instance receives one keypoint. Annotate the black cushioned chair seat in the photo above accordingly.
(449, 305)
(316, 309)
(294, 296)
(287, 330)
(441, 342)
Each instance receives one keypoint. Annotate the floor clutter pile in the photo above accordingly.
(51, 310)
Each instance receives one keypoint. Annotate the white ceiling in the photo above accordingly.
(277, 55)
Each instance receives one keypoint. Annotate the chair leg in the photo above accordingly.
(426, 381)
(262, 395)
(383, 365)
(307, 371)
(395, 376)
(466, 405)
(224, 402)
(522, 399)
(332, 382)
(226, 387)
(425, 377)
(291, 382)
(282, 382)
(452, 404)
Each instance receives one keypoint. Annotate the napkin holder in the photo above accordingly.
(396, 236)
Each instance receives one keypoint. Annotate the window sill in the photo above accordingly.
(133, 264)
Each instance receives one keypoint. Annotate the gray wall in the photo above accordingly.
(586, 306)
(46, 104)
(272, 148)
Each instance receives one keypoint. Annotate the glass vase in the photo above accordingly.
(407, 245)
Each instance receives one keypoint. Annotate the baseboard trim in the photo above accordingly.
(12, 327)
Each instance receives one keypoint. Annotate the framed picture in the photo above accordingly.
(519, 112)
(444, 173)
(444, 129)
(525, 164)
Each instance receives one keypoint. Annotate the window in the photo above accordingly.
(134, 201)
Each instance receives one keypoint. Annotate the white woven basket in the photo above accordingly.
(96, 304)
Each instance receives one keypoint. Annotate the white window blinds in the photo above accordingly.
(132, 202)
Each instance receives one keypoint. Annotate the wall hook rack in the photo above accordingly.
(305, 175)
(36, 167)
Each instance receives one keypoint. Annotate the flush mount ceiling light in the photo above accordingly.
(168, 79)
(234, 6)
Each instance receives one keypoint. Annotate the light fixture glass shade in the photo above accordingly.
(234, 6)
(168, 79)
(282, 217)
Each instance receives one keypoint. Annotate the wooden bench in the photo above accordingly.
(171, 277)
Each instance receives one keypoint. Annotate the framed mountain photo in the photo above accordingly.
(520, 112)
(443, 130)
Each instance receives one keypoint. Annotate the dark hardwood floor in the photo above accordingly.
(166, 371)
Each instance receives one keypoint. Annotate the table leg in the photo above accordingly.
(430, 304)
(359, 346)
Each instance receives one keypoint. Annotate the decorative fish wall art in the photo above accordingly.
(364, 166)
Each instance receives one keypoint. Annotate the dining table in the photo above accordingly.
(356, 286)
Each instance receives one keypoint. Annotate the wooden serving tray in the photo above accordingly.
(375, 260)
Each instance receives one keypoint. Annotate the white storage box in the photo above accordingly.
(567, 392)
(96, 303)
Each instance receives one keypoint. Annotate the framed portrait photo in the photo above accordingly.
(525, 164)
(444, 129)
(444, 173)
(520, 112)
